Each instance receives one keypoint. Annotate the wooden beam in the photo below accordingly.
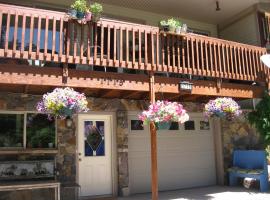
(108, 93)
(27, 75)
(130, 94)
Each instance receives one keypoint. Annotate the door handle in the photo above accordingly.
(80, 154)
(80, 159)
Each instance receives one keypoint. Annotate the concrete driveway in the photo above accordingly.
(215, 192)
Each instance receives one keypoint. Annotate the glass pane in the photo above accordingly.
(174, 126)
(11, 130)
(94, 138)
(189, 125)
(40, 131)
(204, 125)
(136, 125)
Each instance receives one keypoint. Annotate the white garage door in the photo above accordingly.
(185, 155)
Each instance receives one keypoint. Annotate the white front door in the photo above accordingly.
(94, 150)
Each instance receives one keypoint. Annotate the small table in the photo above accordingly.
(31, 185)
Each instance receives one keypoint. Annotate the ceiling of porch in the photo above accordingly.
(200, 10)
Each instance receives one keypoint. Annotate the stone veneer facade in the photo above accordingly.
(236, 134)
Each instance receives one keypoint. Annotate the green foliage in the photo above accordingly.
(163, 23)
(174, 23)
(79, 5)
(260, 118)
(96, 8)
(171, 22)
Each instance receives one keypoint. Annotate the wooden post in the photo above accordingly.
(153, 133)
(218, 151)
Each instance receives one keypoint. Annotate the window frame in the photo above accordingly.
(24, 147)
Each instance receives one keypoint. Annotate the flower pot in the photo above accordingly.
(178, 30)
(88, 16)
(72, 13)
(80, 14)
(163, 125)
(50, 145)
(172, 29)
(95, 17)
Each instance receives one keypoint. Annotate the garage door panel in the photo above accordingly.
(185, 159)
(197, 141)
(190, 160)
(185, 179)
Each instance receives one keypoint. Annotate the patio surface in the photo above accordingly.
(205, 193)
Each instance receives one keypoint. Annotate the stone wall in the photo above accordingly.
(237, 134)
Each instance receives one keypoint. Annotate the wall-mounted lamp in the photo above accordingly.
(185, 86)
(266, 60)
(69, 122)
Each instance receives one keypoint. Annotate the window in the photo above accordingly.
(204, 125)
(174, 126)
(94, 141)
(40, 131)
(189, 125)
(136, 125)
(26, 130)
(11, 130)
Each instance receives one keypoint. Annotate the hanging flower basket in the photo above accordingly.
(162, 113)
(62, 103)
(223, 108)
(163, 125)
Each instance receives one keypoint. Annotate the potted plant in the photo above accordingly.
(72, 13)
(164, 25)
(80, 6)
(96, 10)
(178, 27)
(222, 107)
(163, 113)
(88, 14)
(173, 23)
(62, 103)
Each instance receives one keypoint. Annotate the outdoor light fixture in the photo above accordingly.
(69, 122)
(266, 60)
(185, 86)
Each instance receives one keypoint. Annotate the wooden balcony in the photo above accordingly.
(49, 36)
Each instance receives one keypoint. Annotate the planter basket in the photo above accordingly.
(163, 125)
(162, 113)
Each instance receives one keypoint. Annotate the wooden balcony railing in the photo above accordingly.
(36, 34)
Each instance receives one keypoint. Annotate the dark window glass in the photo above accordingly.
(40, 131)
(204, 125)
(11, 130)
(94, 138)
(174, 126)
(189, 125)
(136, 125)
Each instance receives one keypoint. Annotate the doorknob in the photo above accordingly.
(80, 154)
(80, 159)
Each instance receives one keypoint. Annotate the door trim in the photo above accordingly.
(112, 116)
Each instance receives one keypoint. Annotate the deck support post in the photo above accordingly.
(153, 136)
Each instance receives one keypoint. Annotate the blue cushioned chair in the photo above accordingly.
(250, 164)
